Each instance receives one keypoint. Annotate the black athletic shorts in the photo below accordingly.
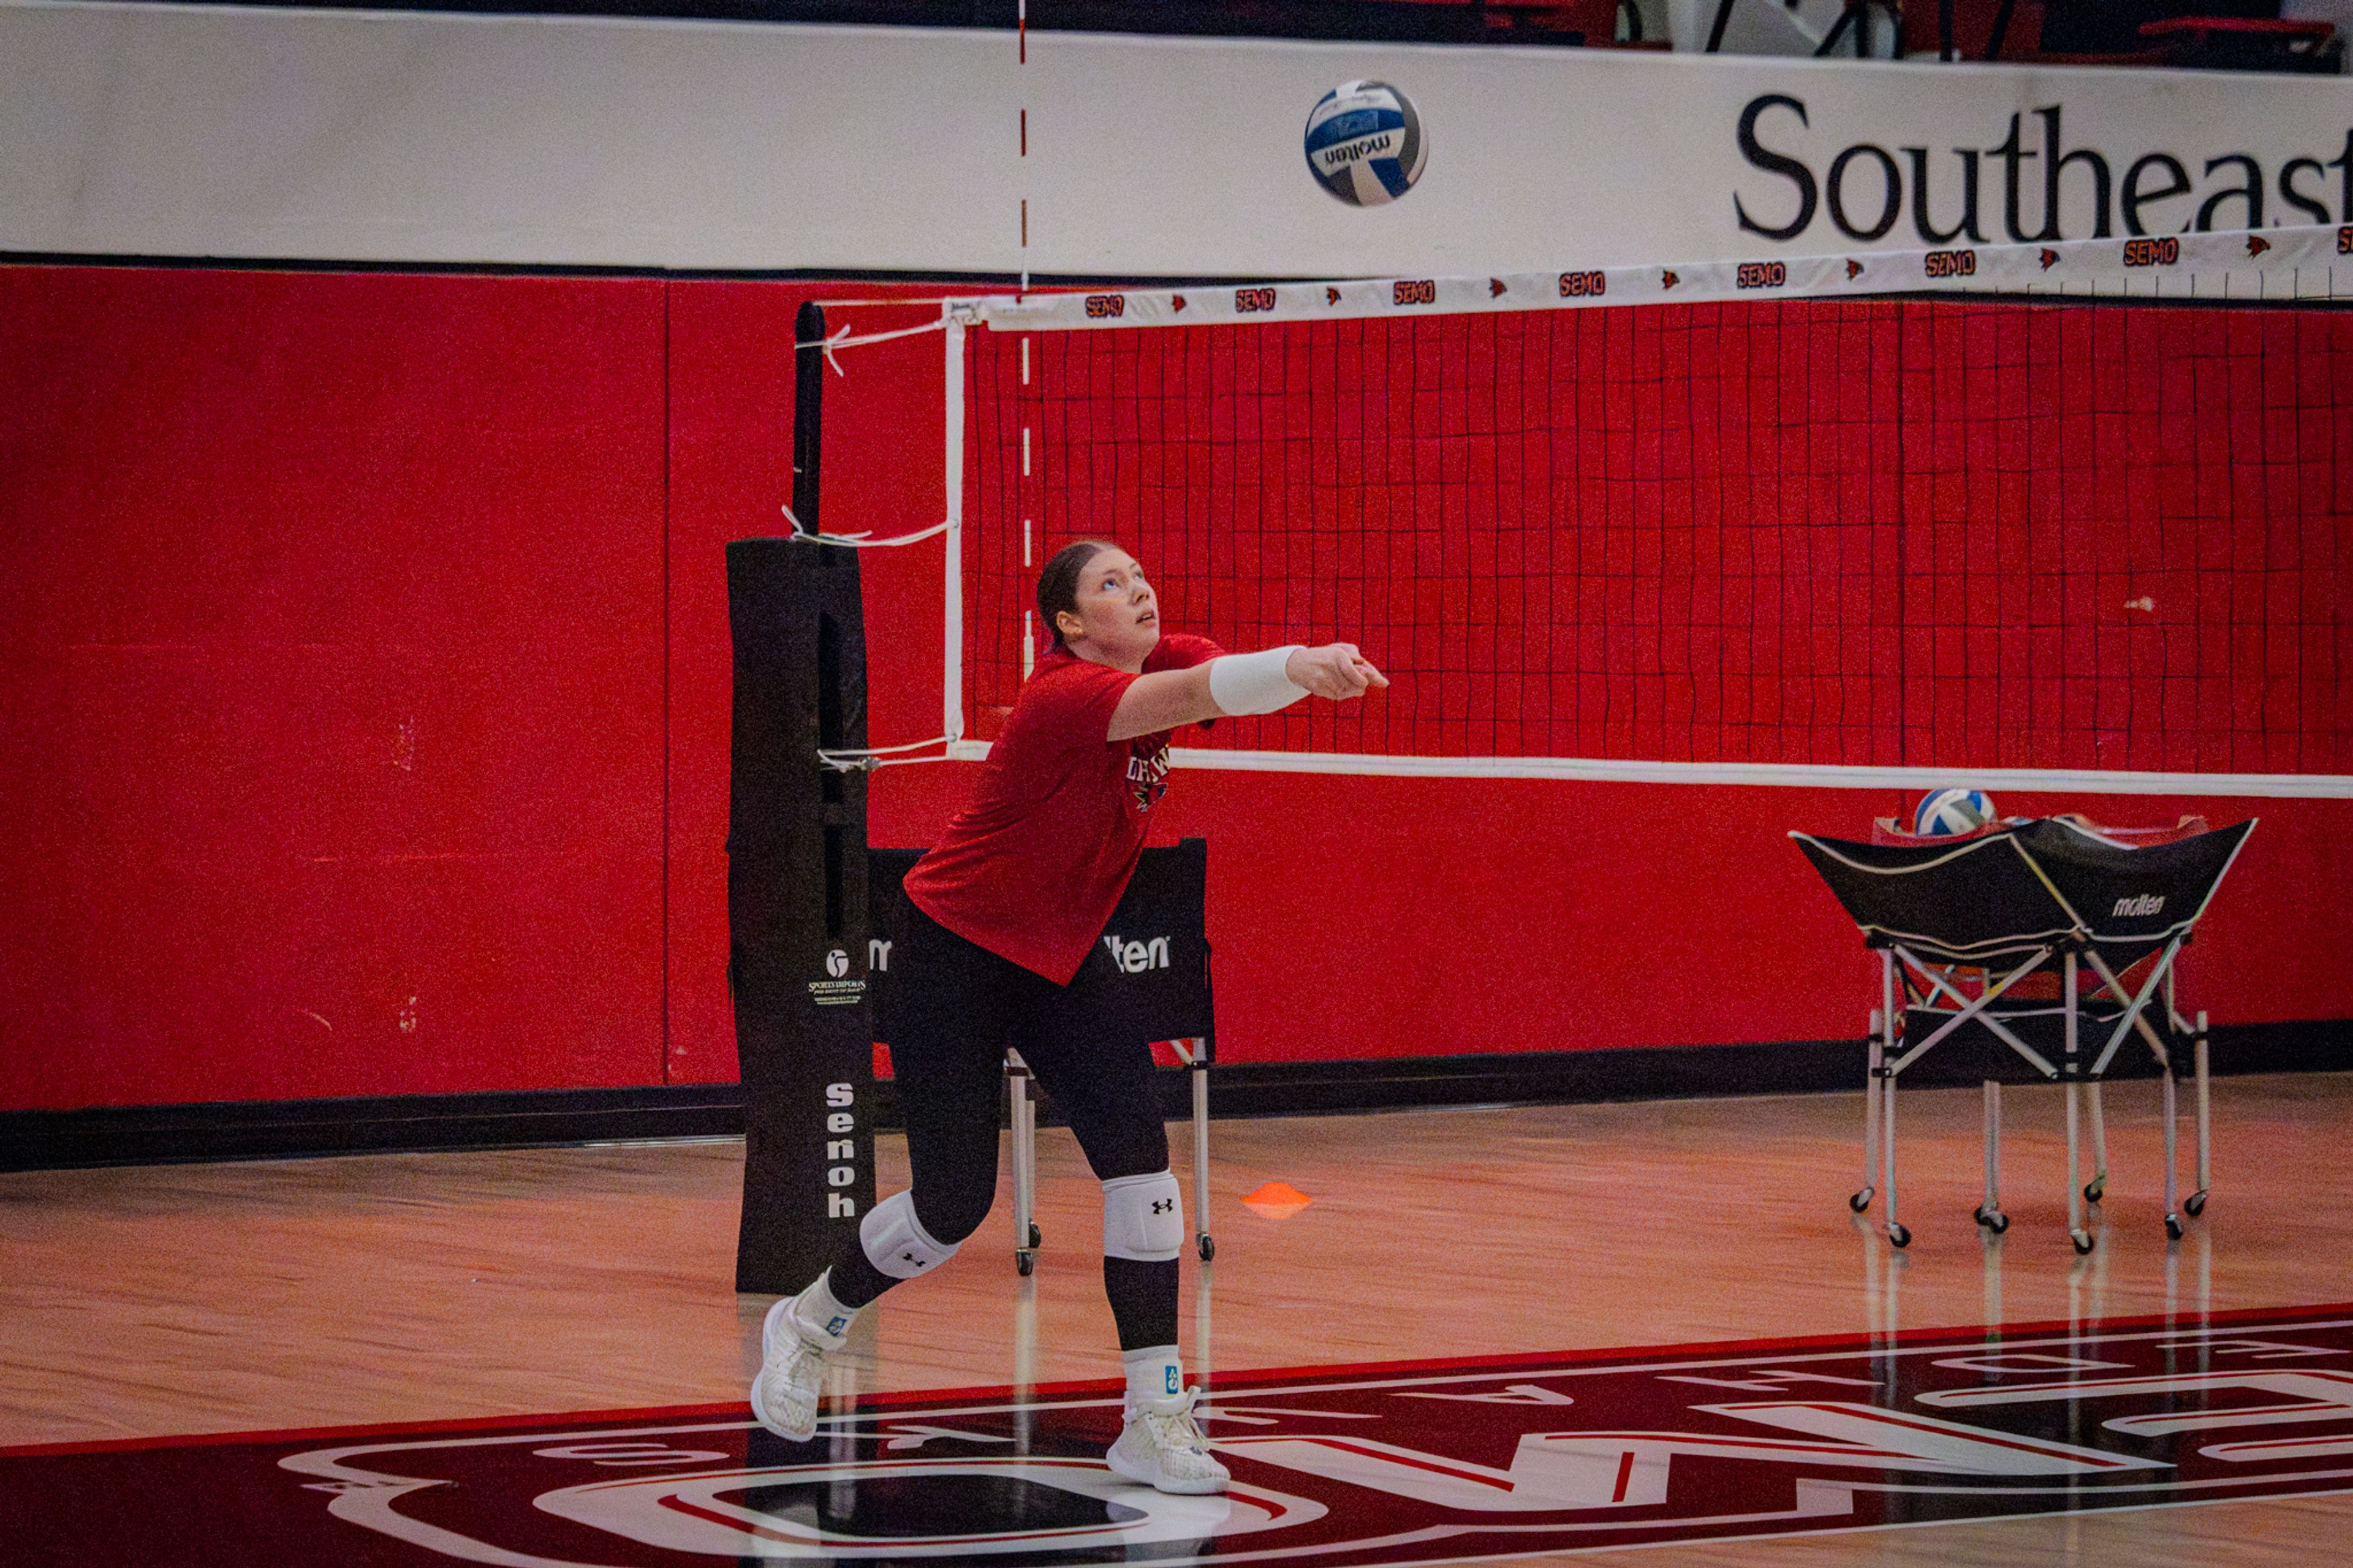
(952, 1008)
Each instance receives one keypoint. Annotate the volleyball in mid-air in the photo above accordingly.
(1365, 143)
(1944, 812)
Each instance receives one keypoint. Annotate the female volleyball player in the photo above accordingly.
(1002, 946)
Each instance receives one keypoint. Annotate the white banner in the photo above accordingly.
(182, 131)
(2284, 266)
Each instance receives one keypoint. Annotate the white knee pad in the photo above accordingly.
(1143, 1217)
(895, 1241)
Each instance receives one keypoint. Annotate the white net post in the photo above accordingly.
(952, 570)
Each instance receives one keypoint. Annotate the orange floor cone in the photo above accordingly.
(1277, 1200)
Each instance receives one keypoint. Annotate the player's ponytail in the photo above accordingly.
(1058, 585)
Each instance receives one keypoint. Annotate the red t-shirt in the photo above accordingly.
(1032, 868)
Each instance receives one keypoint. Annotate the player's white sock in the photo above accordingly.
(1155, 1371)
(819, 1315)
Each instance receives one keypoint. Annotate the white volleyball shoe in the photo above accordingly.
(786, 1393)
(1162, 1448)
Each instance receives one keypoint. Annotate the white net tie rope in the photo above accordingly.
(862, 540)
(866, 762)
(831, 345)
(872, 757)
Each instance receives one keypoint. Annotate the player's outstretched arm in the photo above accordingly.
(1241, 683)
(1336, 670)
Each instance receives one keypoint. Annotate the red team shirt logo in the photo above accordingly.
(1148, 769)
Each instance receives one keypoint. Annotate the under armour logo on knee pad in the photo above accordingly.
(896, 1243)
(1143, 1217)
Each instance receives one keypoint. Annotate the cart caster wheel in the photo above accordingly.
(1036, 1236)
(1898, 1238)
(1206, 1247)
(2173, 1228)
(1862, 1200)
(2196, 1202)
(1981, 1213)
(2095, 1191)
(1025, 1262)
(1996, 1221)
(2083, 1240)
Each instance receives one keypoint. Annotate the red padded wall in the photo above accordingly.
(730, 468)
(730, 463)
(363, 713)
(1365, 917)
(330, 630)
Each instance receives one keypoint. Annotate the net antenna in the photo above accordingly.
(2051, 517)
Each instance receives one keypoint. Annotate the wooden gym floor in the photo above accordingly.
(265, 1295)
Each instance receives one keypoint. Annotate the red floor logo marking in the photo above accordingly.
(1404, 1463)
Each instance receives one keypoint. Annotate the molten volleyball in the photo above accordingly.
(1365, 143)
(1947, 812)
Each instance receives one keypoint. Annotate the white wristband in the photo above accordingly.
(1253, 682)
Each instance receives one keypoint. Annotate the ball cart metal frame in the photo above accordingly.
(1972, 932)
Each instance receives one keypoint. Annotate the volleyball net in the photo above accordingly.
(2069, 516)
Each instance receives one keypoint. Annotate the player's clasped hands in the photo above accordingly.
(1336, 670)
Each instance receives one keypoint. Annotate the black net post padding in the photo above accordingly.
(797, 908)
